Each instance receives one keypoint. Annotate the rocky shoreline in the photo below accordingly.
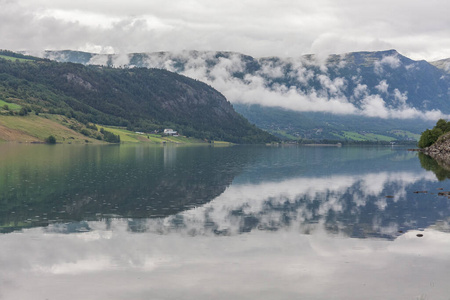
(440, 151)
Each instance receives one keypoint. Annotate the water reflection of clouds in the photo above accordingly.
(202, 254)
(301, 200)
(119, 264)
(312, 188)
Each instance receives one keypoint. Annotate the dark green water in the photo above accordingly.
(179, 222)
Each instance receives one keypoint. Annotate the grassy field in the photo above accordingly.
(127, 136)
(34, 128)
(363, 137)
(14, 58)
(285, 135)
(354, 136)
(403, 134)
(11, 106)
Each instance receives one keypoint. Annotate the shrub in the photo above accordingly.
(85, 132)
(23, 111)
(50, 140)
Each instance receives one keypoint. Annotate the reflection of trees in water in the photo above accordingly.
(439, 166)
(121, 182)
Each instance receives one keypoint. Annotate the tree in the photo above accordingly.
(50, 140)
(110, 137)
(23, 111)
(441, 124)
(429, 137)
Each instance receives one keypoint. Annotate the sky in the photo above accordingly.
(418, 29)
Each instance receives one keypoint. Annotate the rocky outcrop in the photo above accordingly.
(440, 150)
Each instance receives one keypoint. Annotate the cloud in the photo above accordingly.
(335, 87)
(360, 90)
(335, 194)
(258, 28)
(301, 84)
(391, 61)
(156, 266)
(382, 87)
(400, 97)
(254, 89)
(374, 106)
(99, 60)
(272, 70)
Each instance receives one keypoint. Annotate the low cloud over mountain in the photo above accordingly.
(373, 84)
(338, 85)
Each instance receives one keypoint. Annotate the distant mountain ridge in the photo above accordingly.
(378, 86)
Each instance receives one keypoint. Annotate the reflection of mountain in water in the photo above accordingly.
(359, 192)
(375, 204)
(97, 182)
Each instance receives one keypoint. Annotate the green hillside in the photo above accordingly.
(144, 100)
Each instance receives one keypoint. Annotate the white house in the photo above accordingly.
(170, 132)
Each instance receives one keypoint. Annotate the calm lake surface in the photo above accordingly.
(242, 222)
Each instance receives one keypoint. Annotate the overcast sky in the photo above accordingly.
(419, 29)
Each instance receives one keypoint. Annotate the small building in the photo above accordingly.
(169, 131)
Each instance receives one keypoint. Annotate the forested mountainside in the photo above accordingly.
(386, 89)
(140, 99)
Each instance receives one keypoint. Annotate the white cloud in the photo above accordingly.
(391, 61)
(333, 87)
(252, 199)
(382, 87)
(360, 91)
(121, 60)
(400, 97)
(374, 106)
(101, 60)
(259, 87)
(253, 265)
(258, 28)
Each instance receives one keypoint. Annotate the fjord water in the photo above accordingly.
(241, 222)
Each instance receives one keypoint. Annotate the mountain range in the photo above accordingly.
(355, 96)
